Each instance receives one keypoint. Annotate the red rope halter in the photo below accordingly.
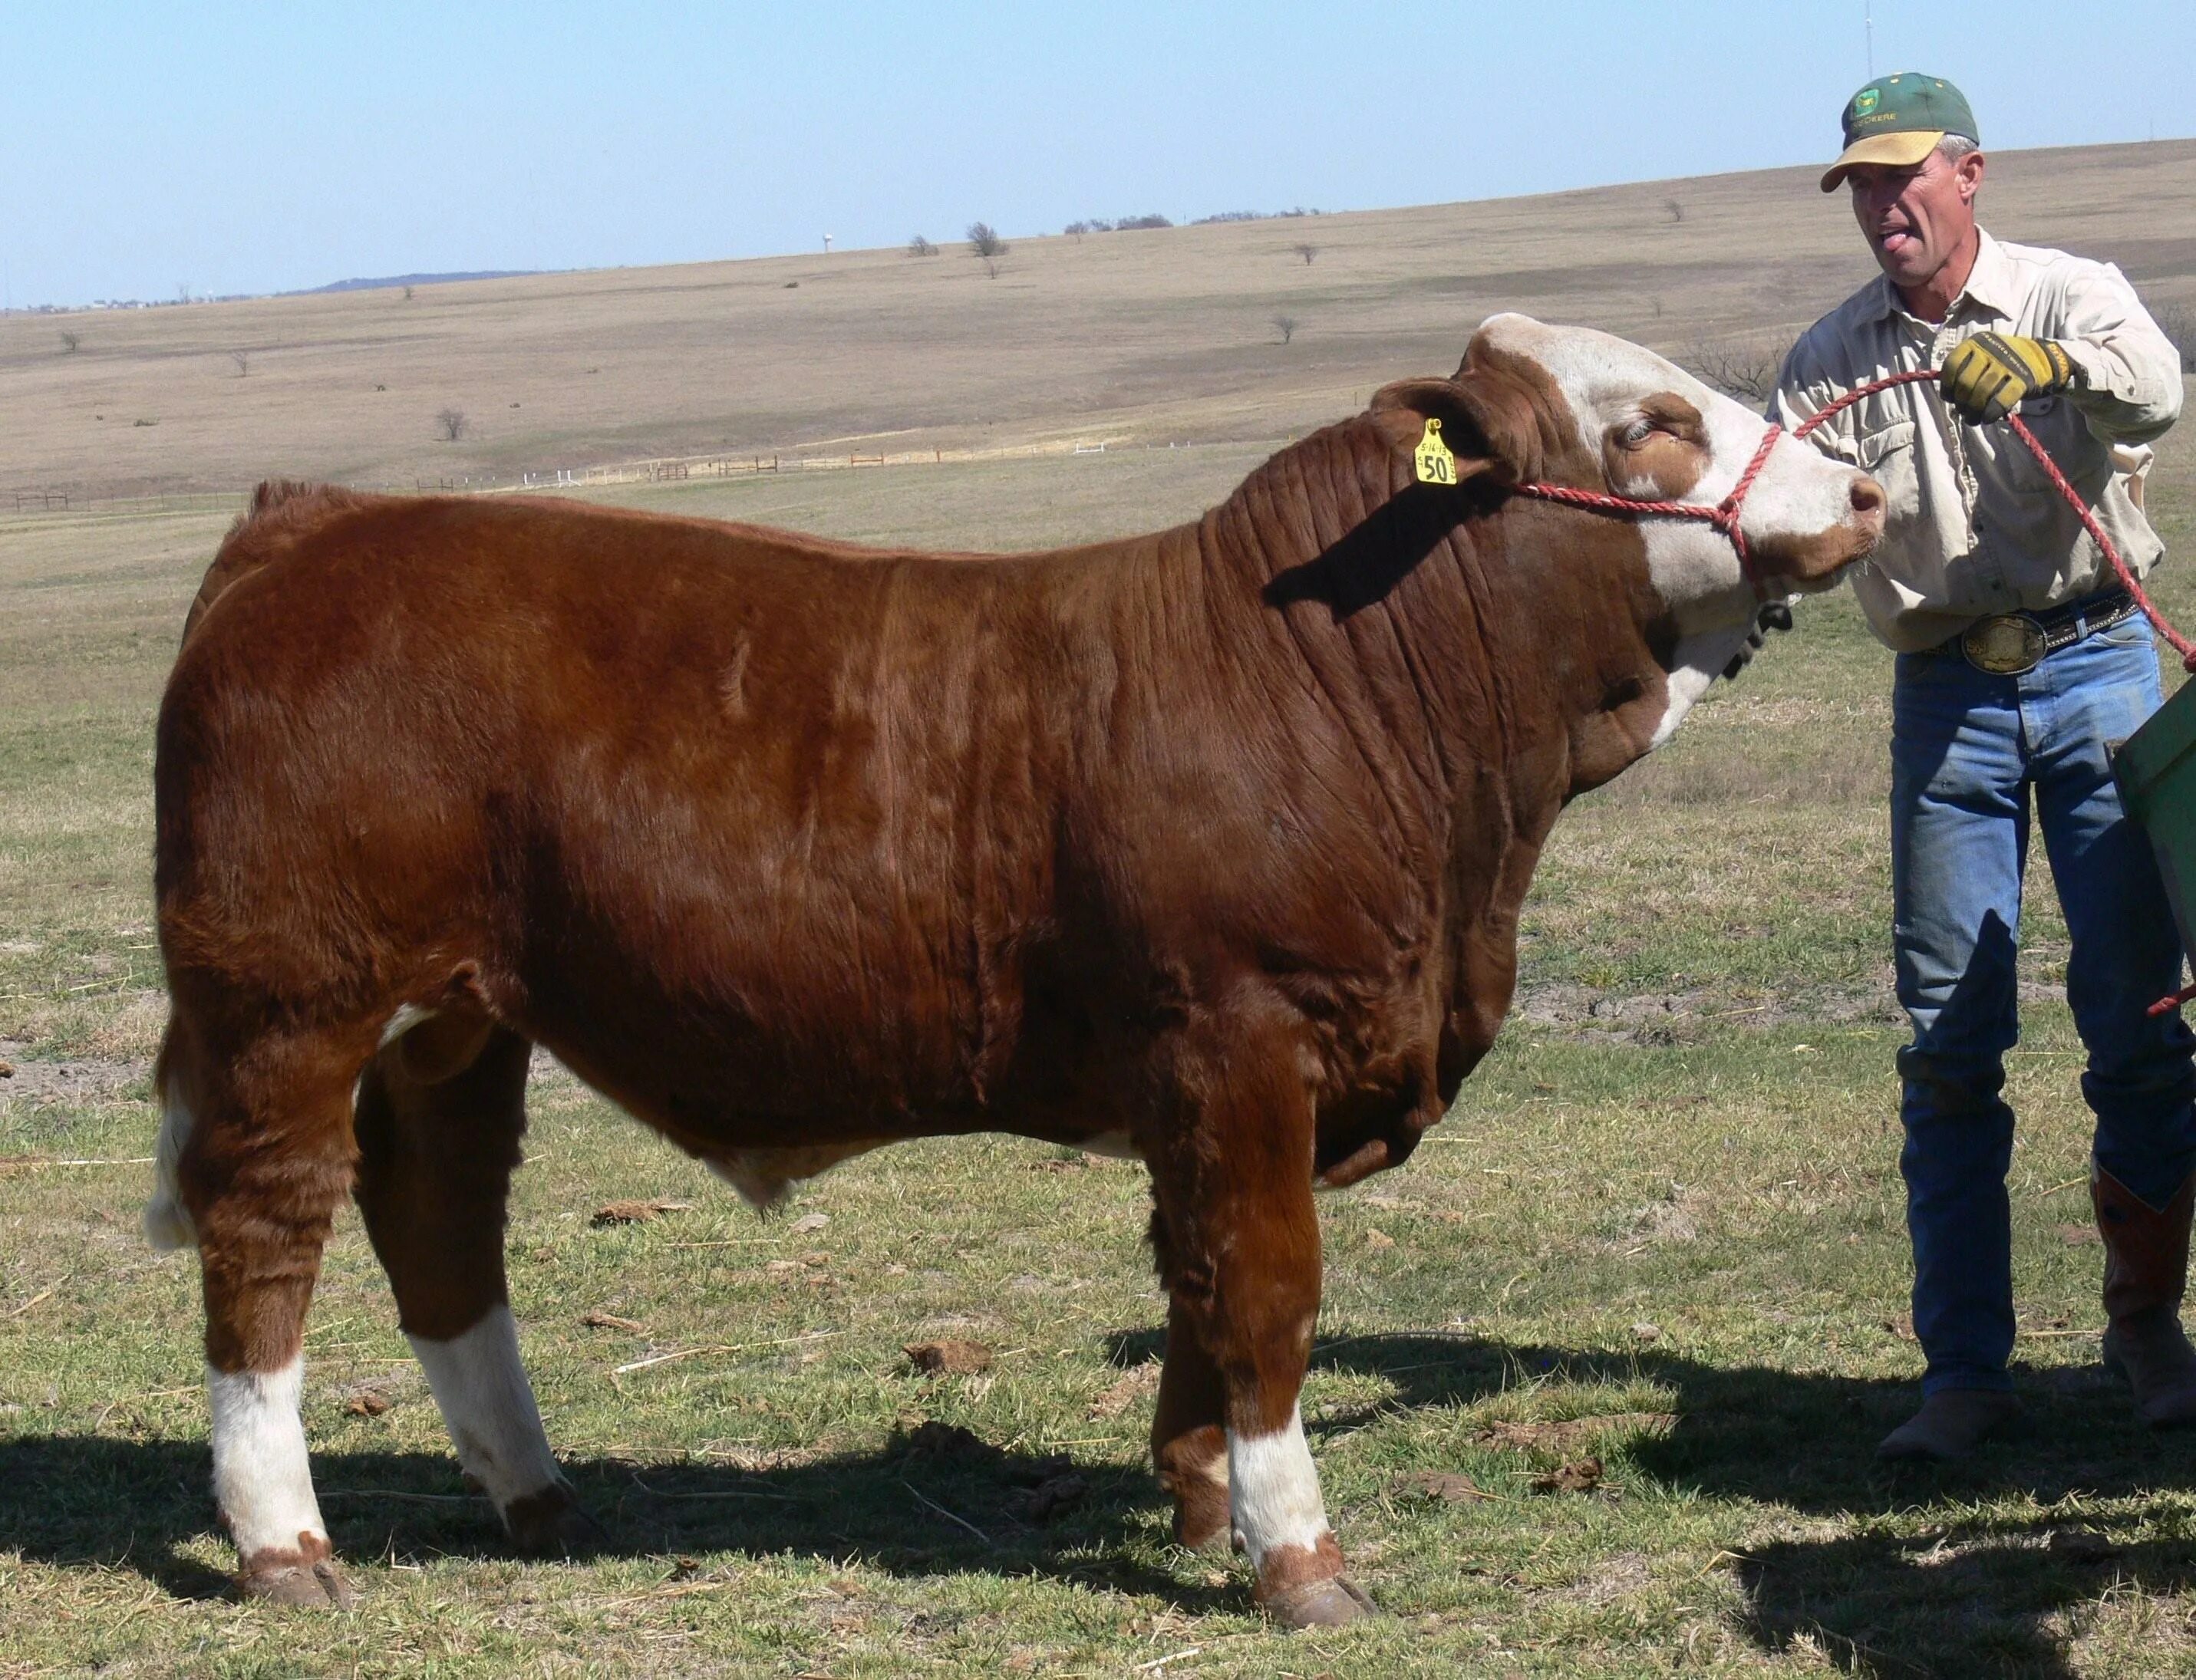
(1723, 516)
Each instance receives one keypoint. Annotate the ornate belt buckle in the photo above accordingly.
(2005, 644)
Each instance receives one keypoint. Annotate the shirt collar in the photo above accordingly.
(1991, 285)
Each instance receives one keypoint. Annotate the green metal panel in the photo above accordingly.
(2156, 770)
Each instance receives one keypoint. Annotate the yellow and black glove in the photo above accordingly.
(1986, 376)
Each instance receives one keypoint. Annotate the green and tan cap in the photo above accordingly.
(1897, 120)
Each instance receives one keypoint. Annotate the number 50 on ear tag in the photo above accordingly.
(1435, 463)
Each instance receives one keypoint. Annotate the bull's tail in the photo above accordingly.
(167, 1220)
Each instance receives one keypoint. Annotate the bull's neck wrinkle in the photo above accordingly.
(1319, 562)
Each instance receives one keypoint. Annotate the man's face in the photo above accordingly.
(1916, 218)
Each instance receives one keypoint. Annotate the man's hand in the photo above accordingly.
(1986, 376)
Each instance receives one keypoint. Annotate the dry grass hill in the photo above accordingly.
(1146, 336)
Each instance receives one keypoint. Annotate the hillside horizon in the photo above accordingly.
(1195, 333)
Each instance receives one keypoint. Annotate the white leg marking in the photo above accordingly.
(167, 1222)
(261, 1480)
(487, 1405)
(1273, 1489)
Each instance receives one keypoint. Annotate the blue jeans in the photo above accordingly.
(1969, 753)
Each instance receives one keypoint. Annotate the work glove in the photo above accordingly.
(1985, 377)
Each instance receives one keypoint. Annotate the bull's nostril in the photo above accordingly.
(1867, 494)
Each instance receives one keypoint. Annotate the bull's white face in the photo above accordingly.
(1661, 434)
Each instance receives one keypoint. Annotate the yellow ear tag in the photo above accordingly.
(1436, 464)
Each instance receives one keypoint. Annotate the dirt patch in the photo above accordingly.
(1143, 1380)
(1627, 1573)
(1586, 1015)
(956, 1357)
(636, 1212)
(1563, 1437)
(1573, 1475)
(1669, 1220)
(1447, 1487)
(75, 1080)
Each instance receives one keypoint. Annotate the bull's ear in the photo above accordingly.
(1489, 427)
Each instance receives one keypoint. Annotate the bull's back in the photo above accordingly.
(672, 791)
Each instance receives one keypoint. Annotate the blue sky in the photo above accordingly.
(253, 149)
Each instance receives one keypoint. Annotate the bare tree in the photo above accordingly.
(920, 246)
(70, 341)
(243, 360)
(985, 241)
(1076, 230)
(1677, 211)
(1307, 250)
(450, 425)
(991, 268)
(1744, 368)
(1286, 326)
(407, 294)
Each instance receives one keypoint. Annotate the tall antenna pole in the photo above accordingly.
(1868, 24)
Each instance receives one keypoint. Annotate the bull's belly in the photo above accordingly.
(766, 1177)
(762, 1156)
(765, 1114)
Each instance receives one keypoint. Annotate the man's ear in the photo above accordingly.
(1970, 170)
(1487, 420)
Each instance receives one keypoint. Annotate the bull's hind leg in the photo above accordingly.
(440, 1114)
(1189, 1429)
(1243, 1274)
(255, 1154)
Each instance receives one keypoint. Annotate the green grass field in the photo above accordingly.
(1661, 1228)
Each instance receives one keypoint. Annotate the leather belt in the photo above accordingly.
(2006, 644)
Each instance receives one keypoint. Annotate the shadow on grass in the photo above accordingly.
(940, 1502)
(1969, 1592)
(1965, 1593)
(1902, 1589)
(1800, 1439)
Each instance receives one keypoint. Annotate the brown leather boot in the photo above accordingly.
(2145, 1271)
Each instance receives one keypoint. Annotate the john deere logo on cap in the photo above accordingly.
(1866, 100)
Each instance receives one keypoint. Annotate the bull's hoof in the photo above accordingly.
(1327, 1603)
(285, 1578)
(551, 1524)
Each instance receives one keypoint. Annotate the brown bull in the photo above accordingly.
(1206, 845)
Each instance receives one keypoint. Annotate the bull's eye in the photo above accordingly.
(1638, 432)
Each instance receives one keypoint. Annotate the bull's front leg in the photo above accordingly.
(1240, 1255)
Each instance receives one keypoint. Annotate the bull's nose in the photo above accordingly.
(1867, 498)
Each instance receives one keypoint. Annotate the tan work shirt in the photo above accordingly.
(1973, 526)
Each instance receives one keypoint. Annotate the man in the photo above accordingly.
(2022, 666)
